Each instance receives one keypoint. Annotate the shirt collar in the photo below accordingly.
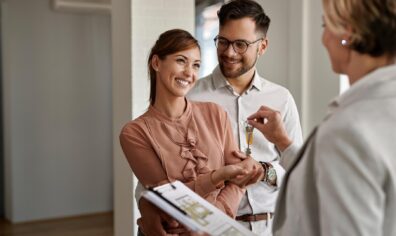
(256, 83)
(361, 87)
(220, 81)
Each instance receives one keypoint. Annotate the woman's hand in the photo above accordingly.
(156, 222)
(228, 172)
(270, 124)
(254, 168)
(246, 172)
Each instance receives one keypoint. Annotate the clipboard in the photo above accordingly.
(194, 212)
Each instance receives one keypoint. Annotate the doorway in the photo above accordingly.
(1, 130)
(206, 29)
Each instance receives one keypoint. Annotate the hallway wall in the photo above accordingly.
(57, 111)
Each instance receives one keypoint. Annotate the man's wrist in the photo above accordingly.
(270, 176)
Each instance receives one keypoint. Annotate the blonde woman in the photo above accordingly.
(343, 180)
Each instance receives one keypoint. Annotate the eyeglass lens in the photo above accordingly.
(239, 46)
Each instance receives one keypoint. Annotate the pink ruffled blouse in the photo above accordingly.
(160, 149)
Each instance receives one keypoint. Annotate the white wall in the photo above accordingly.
(273, 64)
(320, 83)
(57, 111)
(146, 19)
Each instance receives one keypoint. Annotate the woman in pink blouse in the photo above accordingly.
(177, 139)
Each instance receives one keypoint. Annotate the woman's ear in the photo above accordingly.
(155, 62)
(346, 37)
(263, 46)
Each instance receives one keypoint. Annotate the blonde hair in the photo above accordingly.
(372, 22)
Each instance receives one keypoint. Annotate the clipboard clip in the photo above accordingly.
(151, 189)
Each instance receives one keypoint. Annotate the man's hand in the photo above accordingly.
(156, 222)
(270, 124)
(254, 168)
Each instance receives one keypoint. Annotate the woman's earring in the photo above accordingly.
(344, 42)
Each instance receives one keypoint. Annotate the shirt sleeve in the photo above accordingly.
(229, 198)
(280, 172)
(292, 124)
(349, 178)
(141, 155)
(288, 155)
(291, 121)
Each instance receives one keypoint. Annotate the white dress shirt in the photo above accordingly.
(260, 197)
(343, 180)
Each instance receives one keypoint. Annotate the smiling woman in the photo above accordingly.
(176, 51)
(177, 73)
(183, 140)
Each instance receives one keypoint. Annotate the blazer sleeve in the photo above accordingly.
(292, 124)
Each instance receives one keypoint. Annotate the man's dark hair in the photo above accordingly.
(238, 9)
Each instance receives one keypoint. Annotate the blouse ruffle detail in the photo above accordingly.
(187, 140)
(197, 161)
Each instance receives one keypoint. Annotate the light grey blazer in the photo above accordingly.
(343, 180)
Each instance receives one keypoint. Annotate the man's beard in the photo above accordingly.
(240, 71)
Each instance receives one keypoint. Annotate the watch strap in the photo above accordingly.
(267, 166)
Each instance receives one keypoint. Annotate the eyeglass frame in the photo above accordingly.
(229, 42)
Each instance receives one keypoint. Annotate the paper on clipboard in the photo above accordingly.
(193, 211)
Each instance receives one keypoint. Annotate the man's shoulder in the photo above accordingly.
(203, 84)
(268, 86)
(204, 87)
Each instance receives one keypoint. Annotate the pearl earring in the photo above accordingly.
(344, 42)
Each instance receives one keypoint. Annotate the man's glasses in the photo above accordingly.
(239, 46)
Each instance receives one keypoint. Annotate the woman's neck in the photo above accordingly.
(173, 108)
(363, 64)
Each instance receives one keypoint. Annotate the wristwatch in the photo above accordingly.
(269, 173)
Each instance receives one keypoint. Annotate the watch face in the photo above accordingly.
(271, 175)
